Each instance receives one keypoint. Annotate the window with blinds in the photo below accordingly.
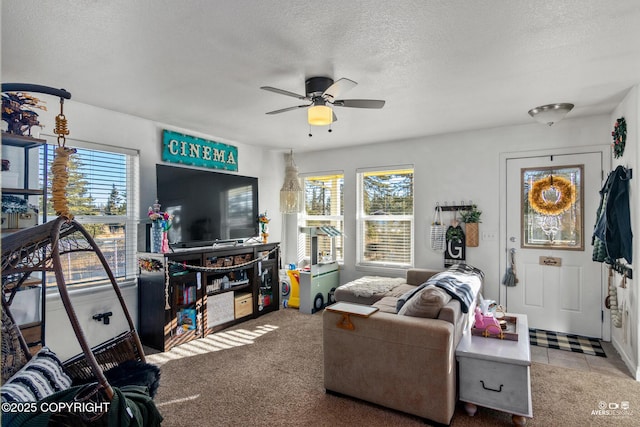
(101, 195)
(385, 218)
(324, 205)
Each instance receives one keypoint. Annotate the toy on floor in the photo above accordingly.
(292, 297)
(319, 280)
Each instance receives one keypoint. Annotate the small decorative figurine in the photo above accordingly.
(486, 321)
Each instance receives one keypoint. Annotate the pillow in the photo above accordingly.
(426, 303)
(42, 376)
(408, 295)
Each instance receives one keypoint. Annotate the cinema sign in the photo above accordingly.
(189, 150)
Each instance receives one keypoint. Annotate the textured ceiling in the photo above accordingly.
(441, 66)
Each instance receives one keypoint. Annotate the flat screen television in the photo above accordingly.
(207, 206)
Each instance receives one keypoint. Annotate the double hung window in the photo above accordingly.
(323, 205)
(102, 196)
(385, 218)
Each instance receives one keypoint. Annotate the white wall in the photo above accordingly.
(92, 124)
(450, 168)
(626, 338)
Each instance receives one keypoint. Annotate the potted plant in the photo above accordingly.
(471, 218)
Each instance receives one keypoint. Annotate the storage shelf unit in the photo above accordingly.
(26, 143)
(212, 288)
(33, 332)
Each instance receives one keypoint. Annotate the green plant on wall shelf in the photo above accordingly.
(455, 233)
(471, 215)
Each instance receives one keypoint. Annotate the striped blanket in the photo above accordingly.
(461, 281)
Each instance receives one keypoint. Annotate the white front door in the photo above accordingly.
(558, 286)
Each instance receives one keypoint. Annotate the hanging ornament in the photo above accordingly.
(552, 195)
(619, 135)
(60, 167)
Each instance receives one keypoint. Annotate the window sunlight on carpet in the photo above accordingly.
(219, 341)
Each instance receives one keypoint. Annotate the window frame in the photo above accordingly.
(130, 220)
(362, 218)
(304, 218)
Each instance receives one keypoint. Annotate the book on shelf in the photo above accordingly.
(186, 320)
(186, 294)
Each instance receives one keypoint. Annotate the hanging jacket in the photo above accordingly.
(613, 226)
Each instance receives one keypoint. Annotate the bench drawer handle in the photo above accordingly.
(491, 389)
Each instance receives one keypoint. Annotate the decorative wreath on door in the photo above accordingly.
(566, 195)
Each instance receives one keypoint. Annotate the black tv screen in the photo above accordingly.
(207, 206)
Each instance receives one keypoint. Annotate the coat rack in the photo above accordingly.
(623, 269)
(449, 208)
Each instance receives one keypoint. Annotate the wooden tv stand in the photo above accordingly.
(193, 292)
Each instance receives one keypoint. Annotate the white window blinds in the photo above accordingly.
(101, 194)
(324, 205)
(385, 218)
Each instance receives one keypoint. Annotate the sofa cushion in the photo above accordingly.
(386, 304)
(42, 376)
(368, 289)
(399, 290)
(427, 302)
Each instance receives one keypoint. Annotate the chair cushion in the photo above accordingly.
(427, 302)
(13, 355)
(42, 376)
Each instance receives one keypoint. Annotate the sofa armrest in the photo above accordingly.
(401, 362)
(417, 276)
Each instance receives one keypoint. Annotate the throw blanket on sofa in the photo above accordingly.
(370, 285)
(461, 281)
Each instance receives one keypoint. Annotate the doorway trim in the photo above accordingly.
(605, 151)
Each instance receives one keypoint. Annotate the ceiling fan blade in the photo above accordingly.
(359, 103)
(335, 118)
(283, 92)
(338, 87)
(287, 109)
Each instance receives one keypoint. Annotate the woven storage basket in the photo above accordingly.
(472, 234)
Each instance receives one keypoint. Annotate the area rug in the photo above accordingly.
(568, 342)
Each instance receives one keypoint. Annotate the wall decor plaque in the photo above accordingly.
(190, 150)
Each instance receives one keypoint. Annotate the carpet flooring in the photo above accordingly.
(568, 342)
(269, 372)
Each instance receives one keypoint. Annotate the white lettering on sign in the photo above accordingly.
(197, 151)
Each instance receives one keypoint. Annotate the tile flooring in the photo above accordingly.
(612, 364)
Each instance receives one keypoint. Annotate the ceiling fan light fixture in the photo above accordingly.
(319, 115)
(551, 113)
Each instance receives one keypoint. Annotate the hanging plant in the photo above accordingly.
(565, 195)
(455, 233)
(619, 135)
(471, 215)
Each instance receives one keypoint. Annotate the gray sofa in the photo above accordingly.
(398, 361)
